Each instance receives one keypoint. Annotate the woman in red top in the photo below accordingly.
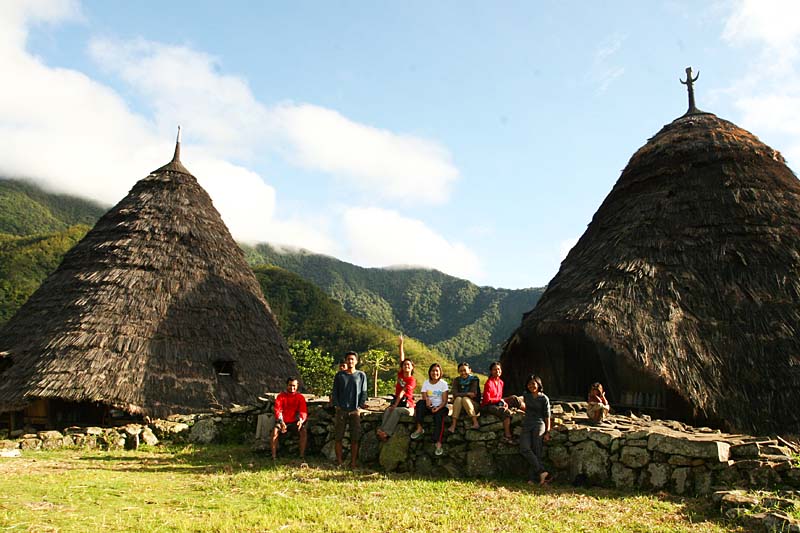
(403, 402)
(493, 403)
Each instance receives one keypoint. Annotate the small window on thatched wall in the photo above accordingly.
(225, 368)
(5, 362)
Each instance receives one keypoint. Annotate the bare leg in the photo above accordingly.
(457, 405)
(274, 442)
(353, 454)
(338, 452)
(507, 427)
(303, 442)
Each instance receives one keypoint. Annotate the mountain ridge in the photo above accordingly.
(454, 316)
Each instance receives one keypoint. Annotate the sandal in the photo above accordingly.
(508, 440)
(417, 434)
(451, 430)
(439, 451)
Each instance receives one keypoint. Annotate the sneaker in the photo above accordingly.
(417, 434)
(439, 451)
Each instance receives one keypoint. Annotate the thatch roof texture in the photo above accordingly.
(154, 312)
(686, 281)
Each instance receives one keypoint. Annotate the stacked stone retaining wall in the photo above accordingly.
(623, 451)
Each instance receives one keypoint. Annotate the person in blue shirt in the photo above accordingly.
(349, 395)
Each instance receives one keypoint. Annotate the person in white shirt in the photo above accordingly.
(434, 402)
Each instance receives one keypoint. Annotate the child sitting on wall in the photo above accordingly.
(597, 407)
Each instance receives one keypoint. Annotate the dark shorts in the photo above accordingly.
(291, 429)
(342, 420)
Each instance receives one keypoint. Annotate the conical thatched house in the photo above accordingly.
(155, 311)
(683, 294)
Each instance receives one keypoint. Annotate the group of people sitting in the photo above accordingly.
(350, 394)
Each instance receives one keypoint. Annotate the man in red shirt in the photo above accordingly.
(291, 413)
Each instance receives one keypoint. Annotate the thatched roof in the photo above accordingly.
(688, 274)
(155, 311)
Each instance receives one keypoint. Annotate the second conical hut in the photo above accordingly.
(154, 312)
(683, 294)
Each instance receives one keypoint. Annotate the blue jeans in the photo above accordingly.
(530, 447)
(421, 411)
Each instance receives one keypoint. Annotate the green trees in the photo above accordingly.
(377, 361)
(25, 209)
(26, 261)
(454, 316)
(316, 367)
(304, 311)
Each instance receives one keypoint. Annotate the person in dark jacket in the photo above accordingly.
(349, 395)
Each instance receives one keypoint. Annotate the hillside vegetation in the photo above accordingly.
(26, 261)
(25, 209)
(304, 311)
(36, 230)
(452, 315)
(456, 318)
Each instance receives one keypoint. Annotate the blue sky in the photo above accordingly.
(477, 138)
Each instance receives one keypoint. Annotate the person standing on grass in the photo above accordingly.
(493, 402)
(341, 365)
(291, 413)
(466, 396)
(349, 395)
(403, 401)
(535, 429)
(434, 402)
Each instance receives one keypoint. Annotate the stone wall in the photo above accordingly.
(625, 452)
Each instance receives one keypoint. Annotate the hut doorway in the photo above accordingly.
(44, 413)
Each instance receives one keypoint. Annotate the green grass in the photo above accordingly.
(226, 488)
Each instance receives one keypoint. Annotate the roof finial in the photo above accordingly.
(175, 164)
(690, 87)
(177, 156)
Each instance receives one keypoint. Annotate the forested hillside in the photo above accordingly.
(304, 311)
(26, 261)
(453, 315)
(25, 209)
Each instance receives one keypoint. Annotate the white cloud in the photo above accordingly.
(184, 85)
(380, 237)
(389, 164)
(603, 72)
(80, 136)
(72, 134)
(768, 95)
(18, 14)
(775, 23)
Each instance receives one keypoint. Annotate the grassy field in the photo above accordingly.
(224, 488)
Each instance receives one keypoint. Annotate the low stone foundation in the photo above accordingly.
(625, 452)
